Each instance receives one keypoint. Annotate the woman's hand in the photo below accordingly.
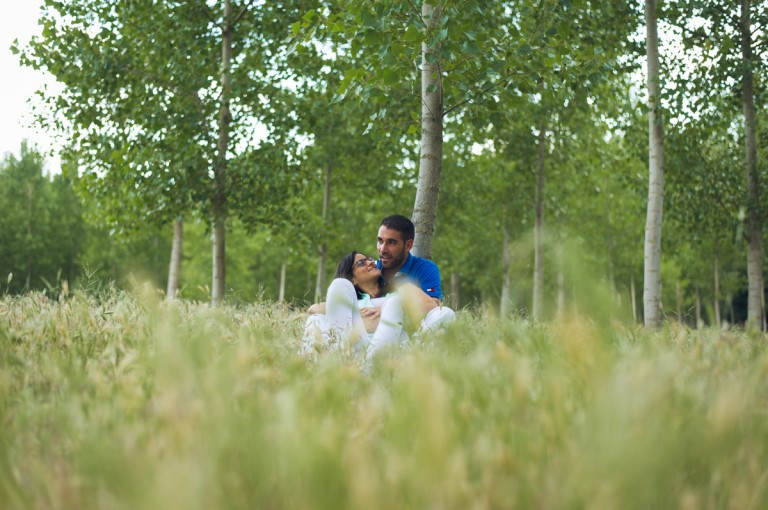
(371, 316)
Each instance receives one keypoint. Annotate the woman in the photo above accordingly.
(363, 316)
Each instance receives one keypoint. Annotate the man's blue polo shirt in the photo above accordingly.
(421, 272)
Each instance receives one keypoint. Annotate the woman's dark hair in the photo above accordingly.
(345, 270)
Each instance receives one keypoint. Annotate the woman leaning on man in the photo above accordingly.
(350, 321)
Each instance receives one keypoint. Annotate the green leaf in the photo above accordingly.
(369, 20)
(309, 16)
(524, 50)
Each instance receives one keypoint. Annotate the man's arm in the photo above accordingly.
(429, 281)
(316, 308)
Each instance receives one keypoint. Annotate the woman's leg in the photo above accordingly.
(343, 315)
(390, 329)
(317, 336)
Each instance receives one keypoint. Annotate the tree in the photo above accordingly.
(652, 250)
(167, 133)
(703, 196)
(467, 59)
(720, 51)
(431, 157)
(42, 230)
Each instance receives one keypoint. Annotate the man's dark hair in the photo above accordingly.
(401, 224)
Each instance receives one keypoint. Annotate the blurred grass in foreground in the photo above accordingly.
(120, 401)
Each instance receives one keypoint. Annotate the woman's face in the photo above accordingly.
(364, 269)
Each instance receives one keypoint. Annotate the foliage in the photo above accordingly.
(120, 401)
(331, 85)
(141, 123)
(42, 228)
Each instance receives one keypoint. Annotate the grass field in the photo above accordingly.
(121, 401)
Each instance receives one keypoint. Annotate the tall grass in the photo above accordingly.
(122, 401)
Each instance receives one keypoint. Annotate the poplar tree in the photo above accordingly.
(174, 109)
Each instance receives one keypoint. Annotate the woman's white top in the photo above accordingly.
(367, 301)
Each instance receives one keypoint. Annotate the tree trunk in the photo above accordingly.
(560, 294)
(652, 251)
(281, 292)
(174, 268)
(431, 160)
(220, 168)
(611, 271)
(633, 297)
(455, 289)
(219, 263)
(729, 302)
(506, 262)
(538, 233)
(320, 282)
(716, 277)
(30, 260)
(754, 231)
(699, 322)
(679, 301)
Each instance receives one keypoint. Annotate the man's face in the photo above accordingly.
(392, 249)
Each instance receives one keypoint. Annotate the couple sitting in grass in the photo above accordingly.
(369, 302)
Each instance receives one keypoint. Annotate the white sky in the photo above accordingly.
(18, 19)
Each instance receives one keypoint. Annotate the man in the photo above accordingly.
(394, 243)
(397, 265)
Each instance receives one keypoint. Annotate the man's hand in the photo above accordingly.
(316, 308)
(371, 316)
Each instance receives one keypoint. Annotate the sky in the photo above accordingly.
(18, 20)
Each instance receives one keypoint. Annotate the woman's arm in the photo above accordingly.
(371, 316)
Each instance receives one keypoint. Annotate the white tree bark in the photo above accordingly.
(174, 268)
(729, 302)
(506, 263)
(560, 294)
(455, 290)
(220, 168)
(321, 263)
(431, 159)
(30, 191)
(716, 290)
(699, 322)
(219, 263)
(281, 292)
(538, 232)
(755, 307)
(652, 250)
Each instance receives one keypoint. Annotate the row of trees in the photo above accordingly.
(52, 239)
(723, 54)
(313, 119)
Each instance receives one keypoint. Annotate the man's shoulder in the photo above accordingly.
(422, 264)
